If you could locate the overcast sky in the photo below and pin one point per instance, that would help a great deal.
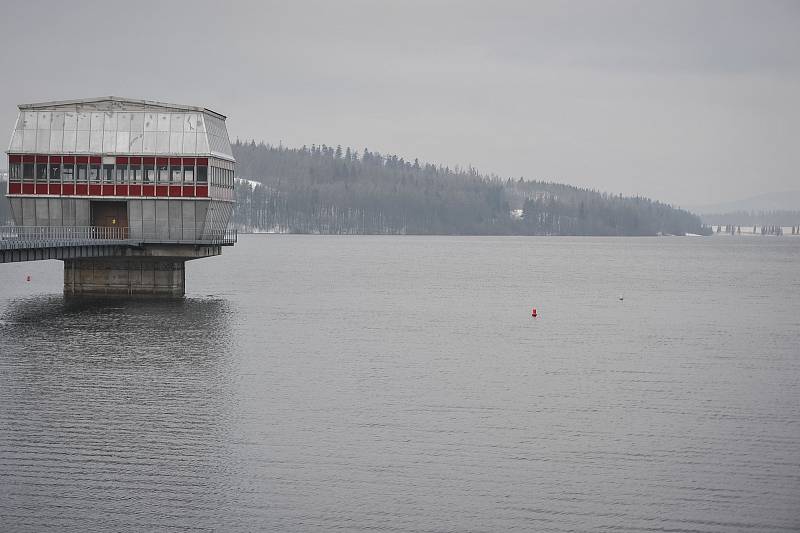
(686, 102)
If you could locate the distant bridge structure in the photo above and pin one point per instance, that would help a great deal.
(123, 191)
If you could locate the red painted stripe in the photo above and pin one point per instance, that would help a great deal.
(162, 190)
(174, 160)
(41, 188)
(202, 191)
(14, 188)
(188, 161)
(122, 160)
(202, 161)
(148, 190)
(14, 158)
(28, 158)
(149, 160)
(162, 160)
(122, 190)
(68, 189)
(55, 159)
(188, 191)
(94, 190)
(54, 188)
(95, 160)
(175, 190)
(136, 160)
(27, 188)
(69, 159)
(41, 159)
(81, 159)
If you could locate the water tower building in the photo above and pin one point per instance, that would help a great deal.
(156, 177)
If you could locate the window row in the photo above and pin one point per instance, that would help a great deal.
(122, 170)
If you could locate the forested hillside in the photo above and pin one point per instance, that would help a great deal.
(322, 189)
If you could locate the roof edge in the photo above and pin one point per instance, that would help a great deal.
(153, 103)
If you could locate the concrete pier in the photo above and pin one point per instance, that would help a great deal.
(144, 271)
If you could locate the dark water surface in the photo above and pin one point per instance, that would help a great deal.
(400, 384)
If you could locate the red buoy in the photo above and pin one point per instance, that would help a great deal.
(534, 314)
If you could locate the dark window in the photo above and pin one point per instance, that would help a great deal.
(55, 173)
(27, 171)
(67, 173)
(94, 173)
(135, 174)
(41, 172)
(163, 173)
(81, 175)
(202, 174)
(175, 174)
(108, 173)
(15, 172)
(149, 174)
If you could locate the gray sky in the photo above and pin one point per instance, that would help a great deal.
(686, 102)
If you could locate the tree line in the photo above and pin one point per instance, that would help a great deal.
(335, 190)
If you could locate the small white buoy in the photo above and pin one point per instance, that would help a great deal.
(621, 298)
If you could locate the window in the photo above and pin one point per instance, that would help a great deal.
(135, 173)
(163, 173)
(149, 174)
(27, 172)
(175, 174)
(41, 172)
(67, 173)
(188, 173)
(81, 173)
(202, 174)
(108, 173)
(122, 173)
(55, 172)
(15, 172)
(94, 173)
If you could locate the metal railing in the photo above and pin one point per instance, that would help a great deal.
(43, 236)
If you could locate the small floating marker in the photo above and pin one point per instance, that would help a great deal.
(28, 278)
(621, 298)
(534, 313)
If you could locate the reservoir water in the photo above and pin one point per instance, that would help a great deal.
(312, 383)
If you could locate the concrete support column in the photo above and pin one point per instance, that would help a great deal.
(144, 276)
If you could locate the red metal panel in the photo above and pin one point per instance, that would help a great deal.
(202, 190)
(41, 159)
(162, 160)
(54, 188)
(68, 189)
(14, 188)
(69, 159)
(41, 188)
(149, 160)
(136, 160)
(134, 190)
(82, 189)
(95, 160)
(148, 190)
(188, 161)
(81, 159)
(162, 190)
(188, 190)
(14, 158)
(27, 188)
(28, 158)
(108, 190)
(95, 190)
(202, 161)
(122, 160)
(122, 190)
(175, 190)
(174, 160)
(55, 159)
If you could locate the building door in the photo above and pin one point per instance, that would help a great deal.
(110, 215)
